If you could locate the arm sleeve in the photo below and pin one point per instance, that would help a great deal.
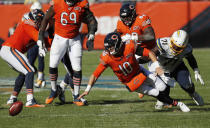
(192, 61)
(100, 69)
(142, 51)
(90, 20)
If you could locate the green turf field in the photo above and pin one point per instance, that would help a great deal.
(108, 107)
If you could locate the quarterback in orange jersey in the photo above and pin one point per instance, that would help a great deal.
(13, 50)
(68, 15)
(135, 27)
(120, 57)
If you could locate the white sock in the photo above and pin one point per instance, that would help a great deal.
(40, 75)
(63, 85)
(76, 90)
(54, 85)
(12, 97)
(29, 97)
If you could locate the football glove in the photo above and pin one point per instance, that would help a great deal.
(198, 76)
(126, 37)
(90, 42)
(42, 48)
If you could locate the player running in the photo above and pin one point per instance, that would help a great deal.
(120, 57)
(13, 50)
(171, 51)
(68, 14)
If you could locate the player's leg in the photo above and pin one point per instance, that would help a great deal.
(182, 76)
(21, 64)
(40, 75)
(75, 54)
(58, 49)
(19, 82)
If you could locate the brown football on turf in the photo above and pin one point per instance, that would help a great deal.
(15, 108)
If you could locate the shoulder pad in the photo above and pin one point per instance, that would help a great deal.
(144, 19)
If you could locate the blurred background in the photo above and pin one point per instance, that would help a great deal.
(166, 16)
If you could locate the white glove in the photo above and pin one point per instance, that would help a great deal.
(134, 37)
(169, 81)
(198, 76)
(42, 48)
(126, 37)
(91, 37)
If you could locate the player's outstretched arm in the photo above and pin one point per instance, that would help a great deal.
(193, 64)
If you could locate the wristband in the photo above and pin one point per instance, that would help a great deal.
(88, 88)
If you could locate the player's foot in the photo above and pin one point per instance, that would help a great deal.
(40, 83)
(197, 99)
(33, 104)
(183, 107)
(140, 95)
(159, 105)
(61, 95)
(78, 102)
(53, 95)
(11, 100)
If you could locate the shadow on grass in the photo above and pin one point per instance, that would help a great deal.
(107, 102)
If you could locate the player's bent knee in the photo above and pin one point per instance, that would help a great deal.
(153, 92)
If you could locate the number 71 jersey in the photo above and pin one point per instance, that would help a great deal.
(68, 19)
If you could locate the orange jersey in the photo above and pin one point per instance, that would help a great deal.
(138, 26)
(24, 37)
(68, 19)
(125, 67)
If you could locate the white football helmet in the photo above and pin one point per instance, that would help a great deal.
(179, 40)
(36, 5)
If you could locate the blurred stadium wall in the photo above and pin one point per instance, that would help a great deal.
(193, 16)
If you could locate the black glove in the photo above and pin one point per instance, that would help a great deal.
(90, 42)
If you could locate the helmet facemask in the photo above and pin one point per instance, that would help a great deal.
(71, 3)
(37, 16)
(128, 14)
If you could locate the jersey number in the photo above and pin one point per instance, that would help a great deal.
(72, 17)
(126, 68)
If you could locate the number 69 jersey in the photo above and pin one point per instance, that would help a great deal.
(167, 59)
(125, 67)
(68, 19)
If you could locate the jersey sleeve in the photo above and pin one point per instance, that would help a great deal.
(119, 27)
(32, 32)
(142, 51)
(144, 21)
(100, 69)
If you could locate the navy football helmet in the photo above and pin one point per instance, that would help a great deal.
(113, 43)
(37, 16)
(128, 14)
(71, 2)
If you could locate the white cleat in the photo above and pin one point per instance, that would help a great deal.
(40, 83)
(183, 107)
(159, 105)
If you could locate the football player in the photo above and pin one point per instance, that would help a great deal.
(136, 27)
(33, 52)
(120, 57)
(171, 51)
(68, 15)
(13, 50)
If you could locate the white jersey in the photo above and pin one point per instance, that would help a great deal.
(167, 60)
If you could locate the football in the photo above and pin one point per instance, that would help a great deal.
(15, 108)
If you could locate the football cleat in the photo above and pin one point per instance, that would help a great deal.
(33, 104)
(11, 100)
(183, 107)
(140, 95)
(53, 95)
(159, 105)
(197, 99)
(61, 95)
(78, 102)
(40, 83)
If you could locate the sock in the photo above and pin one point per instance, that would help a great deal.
(76, 90)
(12, 97)
(29, 94)
(63, 85)
(40, 76)
(53, 78)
